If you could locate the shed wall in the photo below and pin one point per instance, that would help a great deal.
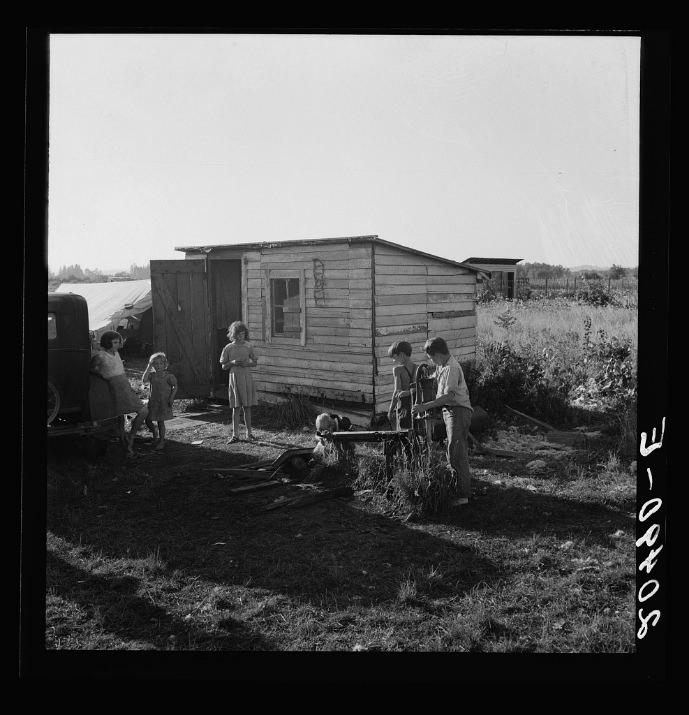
(358, 299)
(335, 361)
(416, 298)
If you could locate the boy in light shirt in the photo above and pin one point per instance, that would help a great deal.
(453, 397)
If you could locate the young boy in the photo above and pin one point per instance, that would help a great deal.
(453, 397)
(403, 375)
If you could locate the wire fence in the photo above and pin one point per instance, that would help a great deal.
(626, 289)
(575, 284)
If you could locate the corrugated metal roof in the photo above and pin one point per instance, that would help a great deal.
(319, 241)
(110, 302)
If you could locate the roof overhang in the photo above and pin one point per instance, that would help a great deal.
(372, 239)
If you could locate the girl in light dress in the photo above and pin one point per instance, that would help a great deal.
(238, 357)
(108, 364)
(163, 389)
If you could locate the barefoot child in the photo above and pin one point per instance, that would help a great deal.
(163, 389)
(238, 357)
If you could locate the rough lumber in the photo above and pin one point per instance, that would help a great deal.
(495, 452)
(255, 487)
(304, 500)
(257, 473)
(538, 423)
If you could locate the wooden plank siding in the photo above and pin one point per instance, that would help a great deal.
(336, 361)
(359, 296)
(418, 297)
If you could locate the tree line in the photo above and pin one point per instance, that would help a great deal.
(75, 274)
(547, 271)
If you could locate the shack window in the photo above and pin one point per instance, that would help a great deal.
(285, 304)
(52, 326)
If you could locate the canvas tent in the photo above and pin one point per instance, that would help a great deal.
(124, 306)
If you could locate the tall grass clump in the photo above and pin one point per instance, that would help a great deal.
(293, 412)
(425, 485)
(422, 485)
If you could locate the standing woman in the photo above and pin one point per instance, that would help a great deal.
(108, 364)
(238, 357)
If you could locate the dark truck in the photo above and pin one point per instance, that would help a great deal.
(69, 378)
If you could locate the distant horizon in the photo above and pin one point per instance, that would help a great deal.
(113, 271)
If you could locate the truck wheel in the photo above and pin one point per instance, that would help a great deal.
(53, 402)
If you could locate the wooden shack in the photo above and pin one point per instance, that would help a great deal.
(502, 274)
(321, 314)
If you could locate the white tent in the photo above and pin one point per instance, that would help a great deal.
(112, 303)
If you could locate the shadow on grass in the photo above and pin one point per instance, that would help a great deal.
(113, 604)
(331, 556)
(326, 554)
(516, 511)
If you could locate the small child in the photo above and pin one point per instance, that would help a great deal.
(163, 389)
(326, 424)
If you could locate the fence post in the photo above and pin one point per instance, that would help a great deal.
(609, 278)
(546, 287)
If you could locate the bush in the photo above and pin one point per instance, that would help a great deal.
(595, 294)
(533, 382)
(613, 370)
(486, 295)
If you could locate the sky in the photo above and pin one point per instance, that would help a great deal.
(462, 145)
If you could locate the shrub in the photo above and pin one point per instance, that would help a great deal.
(487, 295)
(595, 294)
(613, 367)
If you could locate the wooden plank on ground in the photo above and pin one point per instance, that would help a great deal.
(250, 473)
(538, 423)
(304, 500)
(495, 452)
(256, 487)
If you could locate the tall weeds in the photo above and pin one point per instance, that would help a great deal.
(544, 355)
(422, 485)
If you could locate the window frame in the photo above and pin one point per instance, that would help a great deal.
(277, 274)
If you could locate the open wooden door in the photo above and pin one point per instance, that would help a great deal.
(225, 290)
(182, 323)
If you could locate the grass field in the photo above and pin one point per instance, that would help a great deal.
(158, 554)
